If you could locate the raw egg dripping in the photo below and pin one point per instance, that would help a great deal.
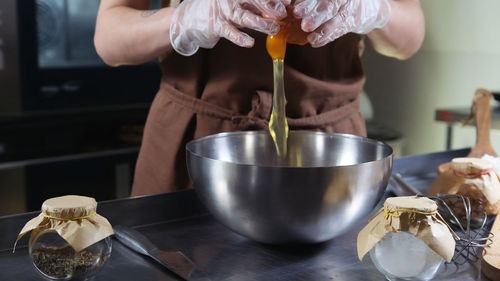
(278, 125)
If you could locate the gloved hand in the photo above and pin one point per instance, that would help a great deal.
(201, 23)
(327, 20)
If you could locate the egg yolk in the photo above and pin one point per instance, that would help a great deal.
(276, 44)
(290, 32)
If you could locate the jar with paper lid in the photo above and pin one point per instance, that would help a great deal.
(69, 240)
(472, 177)
(407, 239)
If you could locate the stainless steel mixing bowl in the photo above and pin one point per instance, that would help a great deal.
(326, 184)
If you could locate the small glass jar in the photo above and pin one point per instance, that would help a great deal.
(407, 239)
(402, 256)
(69, 240)
(54, 258)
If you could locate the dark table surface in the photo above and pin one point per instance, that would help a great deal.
(178, 221)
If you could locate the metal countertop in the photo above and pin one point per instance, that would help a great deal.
(178, 221)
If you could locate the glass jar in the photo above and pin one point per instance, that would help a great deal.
(69, 240)
(407, 239)
(54, 258)
(413, 262)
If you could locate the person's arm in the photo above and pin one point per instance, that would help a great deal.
(127, 33)
(395, 27)
(404, 33)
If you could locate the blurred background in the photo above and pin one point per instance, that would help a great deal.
(71, 125)
(461, 53)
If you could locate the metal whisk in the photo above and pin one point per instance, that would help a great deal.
(467, 218)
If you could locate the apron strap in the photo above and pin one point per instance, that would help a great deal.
(258, 116)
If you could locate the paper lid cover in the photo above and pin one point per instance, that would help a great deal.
(469, 165)
(69, 207)
(420, 204)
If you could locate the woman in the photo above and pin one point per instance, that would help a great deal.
(211, 85)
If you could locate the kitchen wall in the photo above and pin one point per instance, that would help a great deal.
(461, 52)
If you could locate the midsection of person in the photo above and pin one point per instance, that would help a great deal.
(317, 80)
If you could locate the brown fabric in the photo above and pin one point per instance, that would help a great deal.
(229, 88)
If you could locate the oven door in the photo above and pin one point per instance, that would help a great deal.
(60, 68)
(65, 32)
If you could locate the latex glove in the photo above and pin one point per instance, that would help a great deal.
(201, 23)
(327, 20)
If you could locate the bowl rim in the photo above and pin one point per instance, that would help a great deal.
(191, 143)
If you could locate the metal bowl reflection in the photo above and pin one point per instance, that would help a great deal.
(326, 184)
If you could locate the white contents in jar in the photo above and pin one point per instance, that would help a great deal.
(402, 256)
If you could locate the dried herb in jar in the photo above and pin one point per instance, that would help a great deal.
(64, 261)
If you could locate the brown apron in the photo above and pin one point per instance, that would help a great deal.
(229, 88)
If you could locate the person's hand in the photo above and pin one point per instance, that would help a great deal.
(327, 20)
(201, 23)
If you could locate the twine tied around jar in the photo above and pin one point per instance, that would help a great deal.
(394, 212)
(471, 175)
(70, 219)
